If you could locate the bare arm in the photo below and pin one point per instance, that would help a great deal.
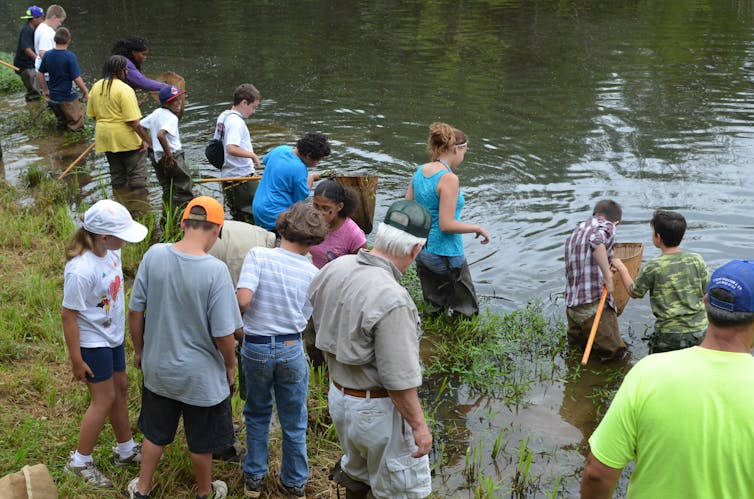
(79, 81)
(30, 52)
(244, 297)
(227, 347)
(625, 277)
(146, 141)
(235, 150)
(71, 332)
(447, 188)
(136, 328)
(599, 481)
(162, 137)
(313, 177)
(410, 191)
(600, 256)
(407, 403)
(238, 335)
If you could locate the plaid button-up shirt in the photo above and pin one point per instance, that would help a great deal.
(583, 275)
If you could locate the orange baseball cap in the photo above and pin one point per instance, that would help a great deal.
(213, 210)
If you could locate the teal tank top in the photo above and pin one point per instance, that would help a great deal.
(425, 193)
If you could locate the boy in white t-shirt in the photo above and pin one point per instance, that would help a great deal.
(167, 157)
(240, 158)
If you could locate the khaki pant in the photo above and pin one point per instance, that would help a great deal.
(377, 446)
(607, 343)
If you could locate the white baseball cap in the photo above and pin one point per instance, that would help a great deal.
(109, 218)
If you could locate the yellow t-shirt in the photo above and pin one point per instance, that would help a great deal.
(113, 110)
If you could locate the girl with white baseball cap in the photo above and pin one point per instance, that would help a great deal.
(93, 317)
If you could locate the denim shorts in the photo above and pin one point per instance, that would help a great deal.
(208, 429)
(104, 361)
(440, 264)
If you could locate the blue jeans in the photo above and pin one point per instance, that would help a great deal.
(282, 368)
(440, 264)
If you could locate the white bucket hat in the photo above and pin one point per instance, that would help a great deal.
(109, 218)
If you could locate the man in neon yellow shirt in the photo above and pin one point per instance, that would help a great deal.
(685, 416)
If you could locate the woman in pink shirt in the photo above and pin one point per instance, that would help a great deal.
(336, 204)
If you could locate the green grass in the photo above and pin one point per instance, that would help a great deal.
(496, 356)
(42, 405)
(10, 82)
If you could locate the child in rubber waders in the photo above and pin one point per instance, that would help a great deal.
(167, 154)
(588, 251)
(676, 280)
(93, 316)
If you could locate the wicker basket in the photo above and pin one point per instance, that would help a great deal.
(366, 189)
(631, 255)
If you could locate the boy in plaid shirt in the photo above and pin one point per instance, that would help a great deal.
(587, 258)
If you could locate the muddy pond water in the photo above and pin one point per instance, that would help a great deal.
(564, 103)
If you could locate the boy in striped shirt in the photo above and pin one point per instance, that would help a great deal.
(273, 295)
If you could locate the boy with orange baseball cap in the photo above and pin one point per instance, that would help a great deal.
(185, 348)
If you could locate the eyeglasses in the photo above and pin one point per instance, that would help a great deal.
(463, 146)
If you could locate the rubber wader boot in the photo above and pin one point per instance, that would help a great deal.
(354, 488)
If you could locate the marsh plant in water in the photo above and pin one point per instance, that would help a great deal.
(496, 355)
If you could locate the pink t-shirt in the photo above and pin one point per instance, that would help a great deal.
(347, 239)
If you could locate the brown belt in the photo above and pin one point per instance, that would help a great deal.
(362, 394)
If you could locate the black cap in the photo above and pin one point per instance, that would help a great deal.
(409, 216)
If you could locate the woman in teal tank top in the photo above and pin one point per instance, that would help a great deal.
(441, 265)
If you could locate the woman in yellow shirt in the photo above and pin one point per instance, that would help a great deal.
(113, 104)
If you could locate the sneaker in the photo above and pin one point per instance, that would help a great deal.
(133, 492)
(219, 491)
(293, 491)
(252, 487)
(133, 457)
(90, 473)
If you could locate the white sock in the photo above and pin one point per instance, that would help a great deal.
(80, 459)
(126, 448)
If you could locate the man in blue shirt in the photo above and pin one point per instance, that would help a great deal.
(286, 181)
(63, 70)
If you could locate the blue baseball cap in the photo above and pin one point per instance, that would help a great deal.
(169, 93)
(736, 277)
(33, 12)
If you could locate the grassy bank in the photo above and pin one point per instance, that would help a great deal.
(495, 356)
(9, 80)
(42, 405)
